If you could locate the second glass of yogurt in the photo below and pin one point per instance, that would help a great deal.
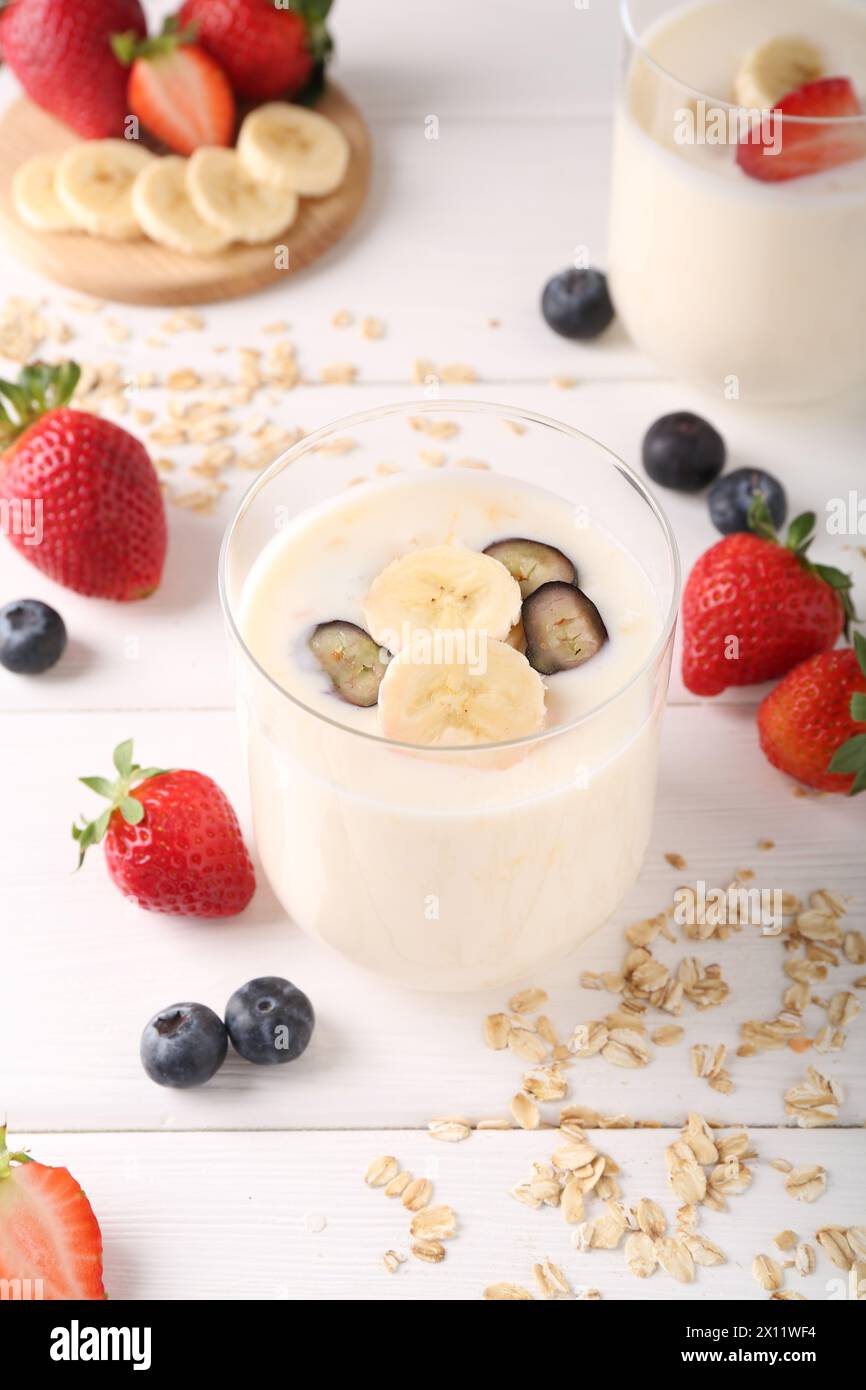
(452, 629)
(738, 214)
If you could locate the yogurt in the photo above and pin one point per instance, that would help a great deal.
(439, 867)
(750, 288)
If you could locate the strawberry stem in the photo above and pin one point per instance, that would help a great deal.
(801, 534)
(118, 794)
(40, 387)
(7, 1158)
(127, 47)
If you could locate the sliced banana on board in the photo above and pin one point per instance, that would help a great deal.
(291, 147)
(34, 194)
(774, 69)
(444, 587)
(490, 696)
(94, 183)
(161, 202)
(225, 194)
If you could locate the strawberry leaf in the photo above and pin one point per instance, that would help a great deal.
(858, 707)
(851, 758)
(860, 649)
(118, 795)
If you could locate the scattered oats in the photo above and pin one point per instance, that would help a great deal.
(782, 1165)
(118, 332)
(434, 1223)
(381, 1170)
(339, 374)
(496, 1122)
(804, 1260)
(432, 1252)
(477, 464)
(544, 1084)
(571, 1201)
(702, 1250)
(687, 1178)
(423, 371)
(860, 982)
(458, 371)
(766, 844)
(143, 417)
(834, 1241)
(574, 1156)
(698, 1136)
(527, 1044)
(417, 1194)
(551, 1282)
(590, 979)
(392, 1260)
(842, 1009)
(525, 1111)
(785, 1240)
(168, 434)
(806, 1184)
(546, 1030)
(608, 1230)
(788, 1295)
(372, 328)
(514, 426)
(564, 383)
(279, 327)
(857, 1281)
(857, 1241)
(626, 1048)
(164, 465)
(183, 379)
(667, 1035)
(435, 428)
(815, 1101)
(527, 1001)
(342, 319)
(766, 1272)
(854, 946)
(506, 1292)
(650, 1218)
(183, 321)
(676, 1259)
(451, 1129)
(676, 861)
(434, 458)
(496, 1030)
(640, 1255)
(397, 1186)
(336, 446)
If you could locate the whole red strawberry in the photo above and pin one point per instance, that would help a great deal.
(97, 518)
(61, 55)
(813, 725)
(50, 1241)
(754, 608)
(172, 840)
(267, 51)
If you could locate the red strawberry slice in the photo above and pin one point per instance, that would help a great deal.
(179, 92)
(50, 1240)
(779, 149)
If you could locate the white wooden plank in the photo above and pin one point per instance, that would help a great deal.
(224, 1216)
(130, 656)
(82, 971)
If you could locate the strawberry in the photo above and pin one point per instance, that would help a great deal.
(50, 1242)
(172, 840)
(781, 149)
(177, 90)
(753, 608)
(267, 51)
(813, 725)
(91, 484)
(61, 55)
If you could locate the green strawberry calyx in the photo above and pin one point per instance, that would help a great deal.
(7, 1158)
(850, 757)
(129, 775)
(127, 47)
(800, 536)
(40, 387)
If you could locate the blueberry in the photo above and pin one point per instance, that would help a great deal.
(730, 498)
(32, 637)
(576, 303)
(269, 1020)
(683, 451)
(183, 1045)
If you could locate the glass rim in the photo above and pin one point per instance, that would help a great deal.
(630, 30)
(416, 407)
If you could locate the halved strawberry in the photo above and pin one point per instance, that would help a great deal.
(781, 149)
(48, 1232)
(179, 92)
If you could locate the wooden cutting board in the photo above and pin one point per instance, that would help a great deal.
(140, 272)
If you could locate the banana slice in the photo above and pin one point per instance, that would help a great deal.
(161, 202)
(487, 696)
(443, 588)
(35, 195)
(94, 183)
(291, 147)
(775, 68)
(226, 195)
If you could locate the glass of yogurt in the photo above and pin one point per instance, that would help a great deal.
(451, 627)
(738, 214)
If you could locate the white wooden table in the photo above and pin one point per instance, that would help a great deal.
(252, 1187)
